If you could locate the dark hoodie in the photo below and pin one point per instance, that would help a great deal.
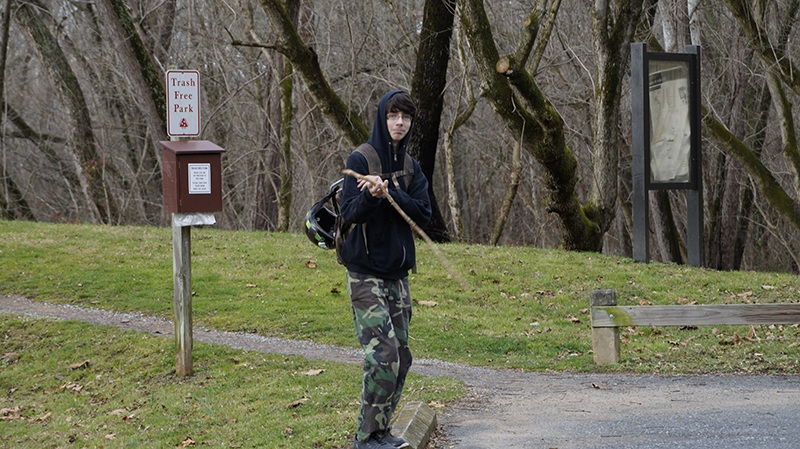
(388, 249)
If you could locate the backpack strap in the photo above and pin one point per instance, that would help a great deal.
(374, 166)
(373, 160)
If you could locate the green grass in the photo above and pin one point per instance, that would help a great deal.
(521, 307)
(71, 384)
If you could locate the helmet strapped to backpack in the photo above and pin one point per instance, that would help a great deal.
(321, 220)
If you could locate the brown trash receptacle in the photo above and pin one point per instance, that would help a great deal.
(192, 176)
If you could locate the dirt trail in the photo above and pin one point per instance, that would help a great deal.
(517, 409)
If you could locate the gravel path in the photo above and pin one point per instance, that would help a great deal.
(517, 409)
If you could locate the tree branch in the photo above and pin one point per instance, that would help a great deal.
(541, 129)
(238, 43)
(306, 64)
(776, 196)
(544, 37)
(773, 56)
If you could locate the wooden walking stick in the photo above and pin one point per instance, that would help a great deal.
(413, 225)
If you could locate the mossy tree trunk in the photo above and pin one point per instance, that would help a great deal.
(306, 64)
(287, 117)
(88, 163)
(137, 64)
(782, 72)
(12, 202)
(529, 116)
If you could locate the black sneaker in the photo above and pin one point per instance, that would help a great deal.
(394, 441)
(372, 443)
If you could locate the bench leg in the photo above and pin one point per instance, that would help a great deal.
(605, 341)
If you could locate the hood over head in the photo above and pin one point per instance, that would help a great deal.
(380, 139)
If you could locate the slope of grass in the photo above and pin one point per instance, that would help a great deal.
(520, 307)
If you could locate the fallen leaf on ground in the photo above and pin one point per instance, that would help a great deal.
(296, 403)
(600, 387)
(435, 404)
(8, 414)
(111, 436)
(82, 364)
(573, 318)
(428, 303)
(71, 386)
(187, 442)
(314, 372)
(311, 264)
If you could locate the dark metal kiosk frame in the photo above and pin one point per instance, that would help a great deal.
(665, 106)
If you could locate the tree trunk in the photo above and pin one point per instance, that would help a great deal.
(145, 78)
(268, 179)
(90, 167)
(612, 43)
(287, 116)
(12, 202)
(427, 88)
(452, 191)
(508, 200)
(536, 123)
(664, 230)
(306, 65)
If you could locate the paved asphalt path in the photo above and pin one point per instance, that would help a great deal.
(516, 409)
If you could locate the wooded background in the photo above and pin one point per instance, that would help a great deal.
(523, 128)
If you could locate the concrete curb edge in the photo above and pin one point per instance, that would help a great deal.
(415, 423)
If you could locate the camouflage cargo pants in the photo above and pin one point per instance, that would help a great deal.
(382, 312)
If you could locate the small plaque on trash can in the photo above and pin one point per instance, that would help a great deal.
(199, 179)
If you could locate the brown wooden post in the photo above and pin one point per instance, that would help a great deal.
(182, 279)
(605, 340)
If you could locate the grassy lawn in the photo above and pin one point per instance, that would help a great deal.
(70, 384)
(520, 307)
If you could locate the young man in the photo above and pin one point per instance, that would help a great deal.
(379, 252)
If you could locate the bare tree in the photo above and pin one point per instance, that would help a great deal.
(527, 113)
(12, 204)
(88, 165)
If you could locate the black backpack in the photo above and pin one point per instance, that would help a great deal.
(341, 227)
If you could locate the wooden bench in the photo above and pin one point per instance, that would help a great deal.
(608, 317)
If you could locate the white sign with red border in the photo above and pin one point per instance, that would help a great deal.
(183, 103)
